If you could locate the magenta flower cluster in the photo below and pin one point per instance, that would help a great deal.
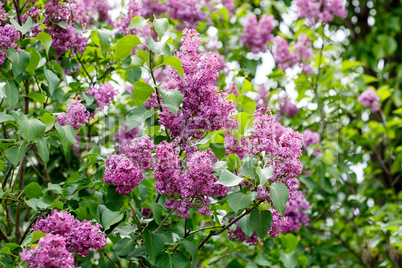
(51, 251)
(321, 10)
(8, 35)
(187, 12)
(125, 170)
(296, 213)
(67, 236)
(3, 15)
(99, 7)
(76, 114)
(65, 38)
(257, 34)
(370, 99)
(189, 188)
(104, 95)
(202, 108)
(311, 137)
(301, 54)
(133, 10)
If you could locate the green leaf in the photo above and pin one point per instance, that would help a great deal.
(33, 63)
(123, 246)
(175, 63)
(39, 97)
(161, 26)
(154, 243)
(52, 80)
(43, 150)
(239, 201)
(24, 28)
(20, 60)
(244, 120)
(347, 64)
(142, 92)
(12, 94)
(137, 23)
(67, 136)
(290, 242)
(261, 222)
(14, 154)
(279, 195)
(229, 179)
(289, 260)
(55, 188)
(110, 217)
(173, 260)
(190, 248)
(265, 174)
(48, 120)
(245, 104)
(137, 116)
(5, 117)
(172, 99)
(125, 46)
(30, 129)
(246, 225)
(135, 61)
(218, 149)
(156, 210)
(33, 190)
(81, 213)
(159, 48)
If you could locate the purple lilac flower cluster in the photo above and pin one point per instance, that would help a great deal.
(283, 146)
(370, 99)
(133, 10)
(51, 251)
(321, 10)
(311, 137)
(197, 183)
(287, 59)
(240, 236)
(104, 95)
(187, 12)
(80, 237)
(287, 107)
(76, 114)
(202, 108)
(296, 213)
(65, 38)
(8, 34)
(257, 34)
(125, 170)
(152, 7)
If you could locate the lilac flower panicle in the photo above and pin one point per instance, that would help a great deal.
(133, 10)
(60, 223)
(50, 252)
(257, 34)
(139, 151)
(76, 114)
(8, 35)
(311, 138)
(320, 10)
(296, 208)
(85, 237)
(240, 236)
(370, 99)
(187, 12)
(202, 108)
(122, 172)
(104, 95)
(100, 7)
(152, 7)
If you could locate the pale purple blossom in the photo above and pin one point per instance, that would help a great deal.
(370, 99)
(50, 251)
(257, 34)
(8, 35)
(85, 237)
(311, 137)
(76, 114)
(188, 12)
(296, 213)
(104, 95)
(321, 10)
(139, 151)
